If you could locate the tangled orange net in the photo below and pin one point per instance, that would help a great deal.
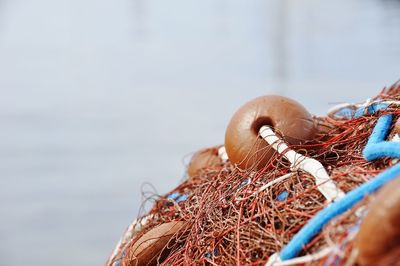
(231, 218)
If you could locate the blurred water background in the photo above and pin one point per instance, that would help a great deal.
(101, 96)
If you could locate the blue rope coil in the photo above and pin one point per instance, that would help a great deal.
(375, 148)
(177, 197)
(370, 109)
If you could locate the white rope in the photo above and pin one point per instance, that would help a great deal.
(274, 259)
(300, 162)
(264, 187)
(389, 102)
(273, 182)
(222, 154)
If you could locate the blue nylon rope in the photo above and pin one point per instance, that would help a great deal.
(375, 148)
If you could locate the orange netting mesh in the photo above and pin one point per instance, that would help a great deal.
(229, 221)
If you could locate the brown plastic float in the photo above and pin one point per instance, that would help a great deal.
(378, 241)
(153, 246)
(287, 117)
(204, 159)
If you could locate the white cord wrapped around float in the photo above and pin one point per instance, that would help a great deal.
(300, 162)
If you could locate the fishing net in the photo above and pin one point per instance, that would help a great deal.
(232, 218)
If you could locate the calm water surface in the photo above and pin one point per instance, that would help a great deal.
(99, 97)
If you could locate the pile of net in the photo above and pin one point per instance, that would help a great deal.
(231, 217)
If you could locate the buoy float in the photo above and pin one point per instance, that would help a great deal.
(153, 246)
(379, 237)
(206, 158)
(288, 118)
